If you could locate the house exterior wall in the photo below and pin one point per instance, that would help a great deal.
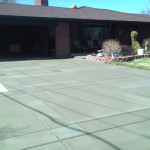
(39, 40)
(43, 42)
(144, 32)
(62, 40)
(114, 30)
(74, 31)
(123, 32)
(73, 34)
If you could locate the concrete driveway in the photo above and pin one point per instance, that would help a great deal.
(73, 104)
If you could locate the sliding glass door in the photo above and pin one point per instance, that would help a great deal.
(94, 33)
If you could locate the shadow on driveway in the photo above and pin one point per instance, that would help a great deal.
(52, 119)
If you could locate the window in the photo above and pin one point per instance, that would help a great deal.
(92, 32)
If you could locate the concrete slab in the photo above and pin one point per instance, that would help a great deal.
(123, 119)
(31, 89)
(94, 125)
(24, 98)
(66, 132)
(133, 84)
(86, 142)
(50, 87)
(41, 110)
(140, 128)
(120, 138)
(71, 83)
(51, 78)
(16, 120)
(73, 104)
(13, 83)
(115, 93)
(138, 92)
(52, 146)
(30, 80)
(101, 100)
(28, 140)
(143, 113)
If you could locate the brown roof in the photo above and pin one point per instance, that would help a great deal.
(82, 13)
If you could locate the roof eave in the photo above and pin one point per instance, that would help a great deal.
(55, 19)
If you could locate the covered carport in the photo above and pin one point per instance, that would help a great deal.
(27, 37)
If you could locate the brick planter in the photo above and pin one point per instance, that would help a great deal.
(108, 59)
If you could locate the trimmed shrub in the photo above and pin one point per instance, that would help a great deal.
(134, 41)
(144, 42)
(111, 45)
(126, 50)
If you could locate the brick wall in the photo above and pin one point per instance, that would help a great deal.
(62, 40)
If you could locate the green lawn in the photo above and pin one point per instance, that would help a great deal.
(143, 63)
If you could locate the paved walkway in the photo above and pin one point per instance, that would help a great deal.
(73, 104)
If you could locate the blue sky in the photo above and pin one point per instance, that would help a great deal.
(131, 6)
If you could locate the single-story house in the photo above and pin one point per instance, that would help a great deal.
(42, 30)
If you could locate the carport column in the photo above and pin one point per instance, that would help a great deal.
(62, 40)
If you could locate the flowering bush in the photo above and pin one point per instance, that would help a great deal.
(111, 45)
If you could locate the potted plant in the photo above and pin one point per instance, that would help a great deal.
(100, 53)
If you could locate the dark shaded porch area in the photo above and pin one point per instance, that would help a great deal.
(87, 37)
(27, 41)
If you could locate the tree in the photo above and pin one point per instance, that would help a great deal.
(8, 1)
(146, 11)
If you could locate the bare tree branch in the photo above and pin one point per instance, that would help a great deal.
(146, 11)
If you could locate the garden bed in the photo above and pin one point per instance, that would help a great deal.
(109, 59)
